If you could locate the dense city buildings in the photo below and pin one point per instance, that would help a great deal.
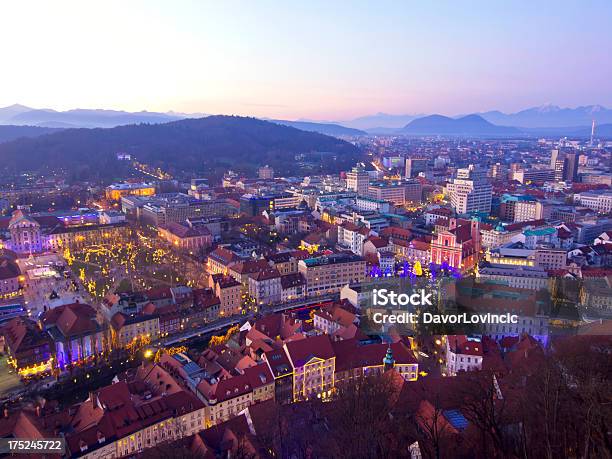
(172, 313)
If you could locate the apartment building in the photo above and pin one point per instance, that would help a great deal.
(470, 191)
(328, 274)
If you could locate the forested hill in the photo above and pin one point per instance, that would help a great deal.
(189, 144)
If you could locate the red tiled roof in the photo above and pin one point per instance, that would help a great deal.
(224, 256)
(459, 344)
(350, 354)
(185, 231)
(250, 266)
(378, 242)
(302, 351)
(292, 280)
(267, 274)
(72, 319)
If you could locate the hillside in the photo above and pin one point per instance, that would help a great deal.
(466, 125)
(322, 128)
(8, 133)
(203, 144)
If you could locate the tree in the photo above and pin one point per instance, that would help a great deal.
(483, 406)
(435, 431)
(361, 421)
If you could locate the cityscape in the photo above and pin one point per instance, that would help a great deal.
(303, 279)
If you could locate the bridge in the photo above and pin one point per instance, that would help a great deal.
(226, 322)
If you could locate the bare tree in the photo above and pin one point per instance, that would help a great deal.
(435, 430)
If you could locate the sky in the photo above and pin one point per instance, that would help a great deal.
(324, 60)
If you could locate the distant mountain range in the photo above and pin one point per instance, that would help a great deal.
(204, 144)
(544, 120)
(546, 116)
(20, 115)
(551, 116)
(470, 125)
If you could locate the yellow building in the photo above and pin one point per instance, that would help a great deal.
(228, 396)
(115, 191)
(314, 365)
(229, 292)
(126, 330)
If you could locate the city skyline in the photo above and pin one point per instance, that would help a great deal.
(336, 63)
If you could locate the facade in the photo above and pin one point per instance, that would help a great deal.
(414, 250)
(285, 262)
(76, 333)
(393, 192)
(26, 235)
(280, 366)
(352, 237)
(76, 237)
(178, 207)
(184, 237)
(459, 246)
(330, 319)
(470, 191)
(462, 354)
(358, 180)
(532, 278)
(599, 201)
(531, 306)
(313, 363)
(265, 173)
(29, 351)
(126, 330)
(413, 191)
(354, 361)
(229, 292)
(224, 387)
(363, 203)
(265, 286)
(220, 260)
(293, 287)
(550, 259)
(328, 274)
(527, 176)
(116, 191)
(10, 274)
(522, 208)
(414, 166)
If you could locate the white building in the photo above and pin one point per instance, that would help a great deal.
(352, 237)
(462, 354)
(599, 201)
(470, 191)
(358, 180)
